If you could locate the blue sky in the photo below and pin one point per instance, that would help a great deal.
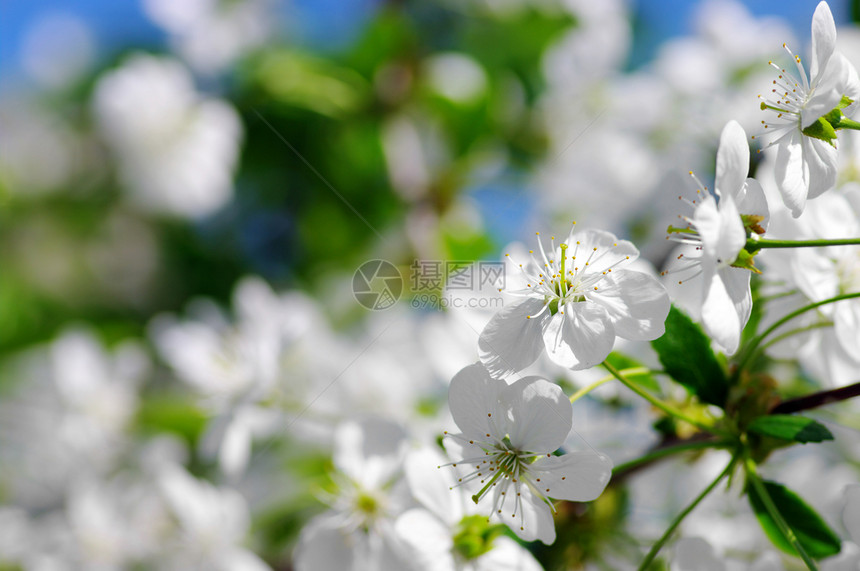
(116, 24)
(121, 23)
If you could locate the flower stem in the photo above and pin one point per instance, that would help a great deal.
(752, 349)
(793, 332)
(655, 549)
(585, 390)
(753, 245)
(787, 532)
(846, 123)
(664, 451)
(671, 411)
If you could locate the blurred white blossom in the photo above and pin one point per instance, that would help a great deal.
(176, 149)
(358, 532)
(212, 34)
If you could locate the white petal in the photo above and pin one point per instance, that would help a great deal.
(732, 234)
(846, 325)
(832, 218)
(241, 560)
(431, 486)
(428, 537)
(851, 513)
(507, 555)
(636, 303)
(695, 554)
(323, 544)
(706, 219)
(579, 476)
(826, 97)
(721, 230)
(511, 342)
(823, 38)
(235, 449)
(385, 549)
(814, 274)
(369, 451)
(792, 172)
(851, 89)
(820, 159)
(530, 518)
(580, 338)
(753, 201)
(609, 252)
(733, 160)
(726, 306)
(472, 396)
(541, 415)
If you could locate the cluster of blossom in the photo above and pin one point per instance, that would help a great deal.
(578, 296)
(274, 375)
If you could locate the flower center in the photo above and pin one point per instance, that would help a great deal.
(474, 536)
(504, 462)
(367, 505)
(788, 94)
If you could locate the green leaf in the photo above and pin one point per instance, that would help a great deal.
(685, 353)
(166, 413)
(305, 81)
(814, 535)
(796, 428)
(644, 380)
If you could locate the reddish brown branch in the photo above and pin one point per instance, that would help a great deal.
(817, 399)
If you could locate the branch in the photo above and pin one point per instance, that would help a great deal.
(817, 399)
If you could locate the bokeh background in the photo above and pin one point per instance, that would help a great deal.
(186, 189)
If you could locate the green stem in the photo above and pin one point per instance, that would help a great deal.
(771, 508)
(668, 451)
(671, 411)
(752, 349)
(585, 390)
(754, 245)
(794, 332)
(846, 123)
(655, 549)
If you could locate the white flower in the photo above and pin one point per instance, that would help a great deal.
(509, 433)
(358, 532)
(696, 554)
(236, 367)
(212, 523)
(801, 276)
(212, 34)
(71, 414)
(177, 150)
(806, 165)
(446, 532)
(716, 236)
(578, 299)
(851, 514)
(849, 558)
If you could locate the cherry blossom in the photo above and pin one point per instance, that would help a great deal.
(578, 299)
(509, 434)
